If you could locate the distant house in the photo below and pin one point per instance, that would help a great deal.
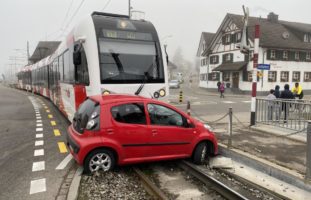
(286, 46)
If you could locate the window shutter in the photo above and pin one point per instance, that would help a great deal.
(223, 39)
(233, 38)
(302, 56)
(291, 55)
(223, 58)
(269, 54)
(279, 54)
(210, 76)
(231, 57)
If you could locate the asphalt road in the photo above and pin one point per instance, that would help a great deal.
(207, 103)
(31, 147)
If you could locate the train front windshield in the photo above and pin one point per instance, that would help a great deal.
(129, 61)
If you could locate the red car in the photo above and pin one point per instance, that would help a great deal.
(124, 129)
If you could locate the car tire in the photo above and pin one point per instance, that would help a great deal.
(200, 154)
(105, 158)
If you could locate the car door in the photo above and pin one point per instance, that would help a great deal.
(169, 134)
(129, 129)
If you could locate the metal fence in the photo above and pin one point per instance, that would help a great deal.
(291, 114)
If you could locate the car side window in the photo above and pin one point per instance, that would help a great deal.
(132, 113)
(161, 115)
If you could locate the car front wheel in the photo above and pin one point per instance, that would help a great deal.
(100, 159)
(200, 153)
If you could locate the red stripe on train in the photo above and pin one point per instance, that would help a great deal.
(80, 94)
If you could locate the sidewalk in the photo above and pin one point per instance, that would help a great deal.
(266, 143)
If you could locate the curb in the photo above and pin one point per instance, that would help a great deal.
(74, 187)
(272, 132)
(271, 169)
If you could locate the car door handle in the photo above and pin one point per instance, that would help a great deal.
(154, 132)
(109, 131)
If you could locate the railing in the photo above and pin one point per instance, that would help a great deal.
(291, 114)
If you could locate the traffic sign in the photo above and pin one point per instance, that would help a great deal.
(263, 66)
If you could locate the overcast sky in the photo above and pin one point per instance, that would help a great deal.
(178, 22)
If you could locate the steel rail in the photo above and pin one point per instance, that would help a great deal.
(218, 186)
(151, 188)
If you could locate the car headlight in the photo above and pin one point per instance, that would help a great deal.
(162, 93)
(208, 127)
(90, 124)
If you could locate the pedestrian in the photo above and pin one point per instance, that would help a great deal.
(297, 91)
(277, 91)
(271, 101)
(277, 104)
(222, 90)
(218, 85)
(287, 95)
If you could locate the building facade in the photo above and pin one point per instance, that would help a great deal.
(286, 46)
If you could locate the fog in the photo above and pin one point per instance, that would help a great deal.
(179, 22)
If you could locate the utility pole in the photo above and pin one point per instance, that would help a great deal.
(28, 56)
(130, 9)
(254, 85)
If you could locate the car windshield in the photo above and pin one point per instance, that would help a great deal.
(123, 61)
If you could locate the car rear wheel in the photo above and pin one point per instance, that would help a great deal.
(100, 159)
(200, 154)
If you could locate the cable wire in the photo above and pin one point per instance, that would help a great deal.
(74, 14)
(67, 13)
(106, 5)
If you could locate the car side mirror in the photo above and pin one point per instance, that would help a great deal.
(189, 124)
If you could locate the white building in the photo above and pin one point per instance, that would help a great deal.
(286, 46)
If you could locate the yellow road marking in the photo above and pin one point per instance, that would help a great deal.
(50, 116)
(56, 132)
(53, 123)
(62, 147)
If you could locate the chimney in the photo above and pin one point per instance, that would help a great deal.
(273, 17)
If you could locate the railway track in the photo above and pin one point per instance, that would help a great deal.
(194, 170)
(218, 186)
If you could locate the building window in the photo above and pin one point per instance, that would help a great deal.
(228, 37)
(284, 76)
(214, 59)
(249, 76)
(226, 76)
(308, 56)
(272, 76)
(305, 38)
(204, 46)
(272, 54)
(228, 57)
(285, 54)
(296, 76)
(307, 77)
(296, 55)
(238, 37)
(214, 76)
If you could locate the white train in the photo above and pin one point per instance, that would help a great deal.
(103, 54)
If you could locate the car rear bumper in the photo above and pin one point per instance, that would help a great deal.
(73, 144)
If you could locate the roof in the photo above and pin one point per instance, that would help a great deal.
(271, 33)
(173, 65)
(236, 66)
(44, 49)
(208, 38)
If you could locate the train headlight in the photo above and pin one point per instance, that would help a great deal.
(106, 92)
(156, 95)
(162, 93)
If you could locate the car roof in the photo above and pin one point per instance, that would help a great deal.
(113, 98)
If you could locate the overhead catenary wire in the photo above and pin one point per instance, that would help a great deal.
(74, 14)
(106, 5)
(67, 13)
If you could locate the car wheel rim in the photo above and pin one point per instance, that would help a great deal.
(203, 154)
(100, 161)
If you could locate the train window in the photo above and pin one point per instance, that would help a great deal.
(61, 67)
(130, 61)
(82, 74)
(68, 68)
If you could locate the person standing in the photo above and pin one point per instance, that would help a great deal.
(222, 90)
(271, 103)
(277, 105)
(286, 94)
(297, 91)
(218, 85)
